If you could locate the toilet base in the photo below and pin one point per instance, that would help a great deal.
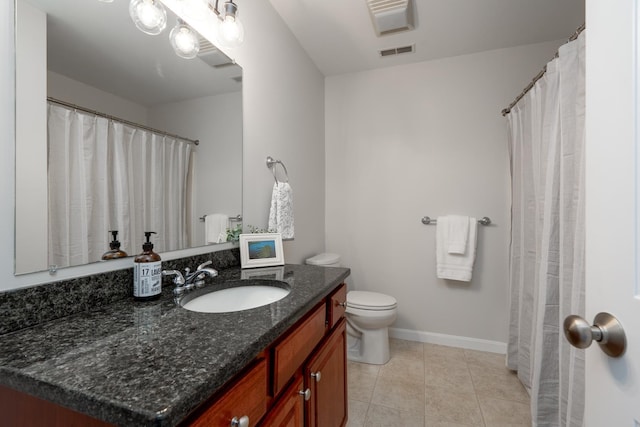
(369, 346)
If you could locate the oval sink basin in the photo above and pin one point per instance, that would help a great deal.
(237, 298)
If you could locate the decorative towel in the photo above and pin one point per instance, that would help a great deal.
(458, 233)
(215, 228)
(281, 213)
(455, 266)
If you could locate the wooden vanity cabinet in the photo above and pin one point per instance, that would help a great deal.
(289, 409)
(280, 388)
(326, 375)
(246, 399)
(320, 382)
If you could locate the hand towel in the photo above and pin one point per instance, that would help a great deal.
(281, 213)
(452, 265)
(215, 226)
(458, 233)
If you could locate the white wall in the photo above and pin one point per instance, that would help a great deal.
(31, 153)
(284, 118)
(283, 104)
(426, 139)
(216, 121)
(75, 92)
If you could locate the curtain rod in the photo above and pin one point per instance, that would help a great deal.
(118, 119)
(540, 74)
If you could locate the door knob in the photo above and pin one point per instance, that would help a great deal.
(606, 331)
(242, 422)
(316, 376)
(306, 393)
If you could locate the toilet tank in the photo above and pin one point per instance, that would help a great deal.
(325, 260)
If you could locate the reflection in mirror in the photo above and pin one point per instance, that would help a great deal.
(114, 131)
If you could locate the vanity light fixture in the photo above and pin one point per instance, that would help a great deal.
(149, 16)
(196, 10)
(184, 40)
(231, 30)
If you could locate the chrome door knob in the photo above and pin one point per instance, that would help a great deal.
(306, 393)
(606, 331)
(317, 376)
(242, 422)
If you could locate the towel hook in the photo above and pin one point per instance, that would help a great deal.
(271, 164)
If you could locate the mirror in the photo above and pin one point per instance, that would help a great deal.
(89, 55)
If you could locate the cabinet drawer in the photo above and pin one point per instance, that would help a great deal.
(337, 305)
(289, 410)
(247, 397)
(293, 350)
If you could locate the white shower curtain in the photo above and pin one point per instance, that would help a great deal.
(547, 243)
(105, 175)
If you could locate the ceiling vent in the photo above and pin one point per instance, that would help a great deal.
(397, 50)
(391, 16)
(211, 55)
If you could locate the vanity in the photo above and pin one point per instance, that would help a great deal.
(158, 364)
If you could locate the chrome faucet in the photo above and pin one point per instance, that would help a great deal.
(190, 280)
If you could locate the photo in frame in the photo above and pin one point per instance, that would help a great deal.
(261, 250)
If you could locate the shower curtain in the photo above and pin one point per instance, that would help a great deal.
(546, 130)
(105, 175)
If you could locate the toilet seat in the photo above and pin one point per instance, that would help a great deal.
(373, 301)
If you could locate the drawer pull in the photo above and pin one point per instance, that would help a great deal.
(317, 376)
(242, 422)
(306, 394)
(341, 304)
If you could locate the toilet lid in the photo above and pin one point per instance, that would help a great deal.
(370, 300)
(324, 259)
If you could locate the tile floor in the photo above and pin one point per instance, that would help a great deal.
(436, 386)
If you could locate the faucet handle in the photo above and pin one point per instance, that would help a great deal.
(203, 265)
(178, 280)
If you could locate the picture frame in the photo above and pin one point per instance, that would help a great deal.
(261, 250)
(264, 273)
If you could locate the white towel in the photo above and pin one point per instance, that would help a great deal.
(458, 233)
(215, 227)
(455, 266)
(281, 213)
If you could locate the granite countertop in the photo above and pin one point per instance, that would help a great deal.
(151, 363)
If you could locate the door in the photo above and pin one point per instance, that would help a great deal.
(613, 206)
(325, 374)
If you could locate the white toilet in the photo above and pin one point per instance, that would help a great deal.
(369, 314)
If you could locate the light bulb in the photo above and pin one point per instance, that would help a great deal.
(184, 41)
(149, 16)
(231, 32)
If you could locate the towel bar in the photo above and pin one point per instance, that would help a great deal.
(236, 218)
(485, 220)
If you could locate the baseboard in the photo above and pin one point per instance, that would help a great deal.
(449, 340)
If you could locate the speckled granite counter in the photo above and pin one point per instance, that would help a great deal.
(152, 363)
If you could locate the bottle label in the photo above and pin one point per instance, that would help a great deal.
(147, 279)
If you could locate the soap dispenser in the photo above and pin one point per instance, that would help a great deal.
(147, 272)
(115, 251)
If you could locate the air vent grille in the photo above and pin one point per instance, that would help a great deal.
(391, 16)
(397, 50)
(211, 55)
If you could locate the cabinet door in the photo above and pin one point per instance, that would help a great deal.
(337, 305)
(289, 410)
(247, 399)
(325, 375)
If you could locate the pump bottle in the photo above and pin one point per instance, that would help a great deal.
(147, 272)
(115, 251)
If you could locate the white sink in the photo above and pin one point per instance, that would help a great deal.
(236, 298)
